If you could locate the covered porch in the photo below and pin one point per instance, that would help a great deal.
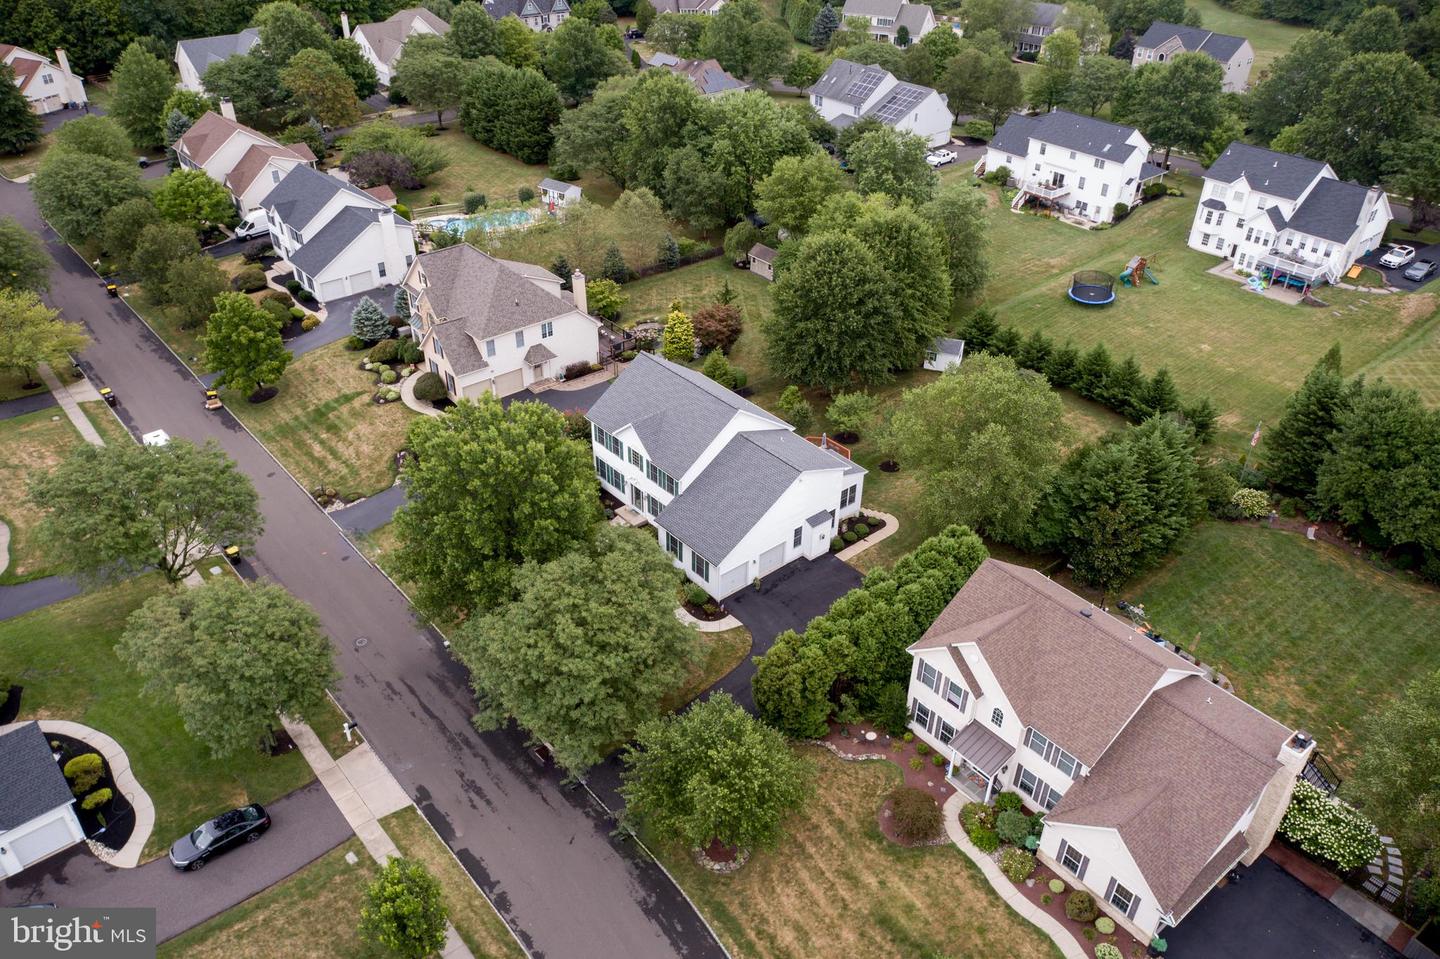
(978, 760)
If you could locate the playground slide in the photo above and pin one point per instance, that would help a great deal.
(1151, 276)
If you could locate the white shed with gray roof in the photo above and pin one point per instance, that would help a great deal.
(37, 810)
(734, 492)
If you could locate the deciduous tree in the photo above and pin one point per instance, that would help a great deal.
(1376, 30)
(1296, 82)
(320, 90)
(511, 110)
(1394, 780)
(1097, 82)
(890, 161)
(252, 82)
(1177, 104)
(243, 342)
(796, 189)
(285, 30)
(74, 191)
(490, 489)
(518, 46)
(97, 136)
(142, 83)
(112, 510)
(156, 250)
(1049, 85)
(958, 215)
(192, 199)
(473, 33)
(230, 657)
(32, 333)
(587, 649)
(430, 80)
(349, 57)
(24, 264)
(578, 58)
(20, 126)
(404, 907)
(191, 288)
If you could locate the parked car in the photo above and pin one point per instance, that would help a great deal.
(633, 34)
(1419, 271)
(225, 831)
(1398, 256)
(938, 158)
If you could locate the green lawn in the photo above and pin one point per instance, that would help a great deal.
(64, 657)
(478, 169)
(1269, 38)
(35, 442)
(1248, 353)
(12, 386)
(1311, 634)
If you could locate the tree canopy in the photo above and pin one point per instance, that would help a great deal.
(890, 161)
(20, 126)
(74, 191)
(404, 907)
(24, 263)
(96, 135)
(512, 110)
(320, 89)
(192, 199)
(142, 84)
(243, 342)
(32, 333)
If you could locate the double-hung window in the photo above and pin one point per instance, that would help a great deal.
(1072, 859)
(997, 717)
(797, 535)
(923, 716)
(1036, 742)
(547, 330)
(636, 460)
(662, 479)
(611, 443)
(956, 695)
(699, 566)
(944, 732)
(1122, 899)
(674, 546)
(847, 496)
(929, 676)
(519, 337)
(652, 505)
(489, 347)
(1026, 781)
(1099, 164)
(609, 474)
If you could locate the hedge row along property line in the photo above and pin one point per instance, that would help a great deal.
(857, 650)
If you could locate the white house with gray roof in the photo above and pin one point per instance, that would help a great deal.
(1154, 781)
(734, 492)
(488, 325)
(886, 17)
(849, 91)
(542, 16)
(381, 42)
(339, 239)
(37, 809)
(1043, 17)
(1286, 216)
(1164, 40)
(1073, 163)
(193, 57)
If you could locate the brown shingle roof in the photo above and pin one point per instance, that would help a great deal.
(1206, 879)
(253, 161)
(209, 134)
(966, 672)
(1075, 677)
(483, 295)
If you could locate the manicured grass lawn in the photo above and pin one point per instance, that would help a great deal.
(324, 427)
(64, 657)
(12, 386)
(14, 166)
(313, 914)
(1248, 353)
(471, 915)
(1270, 38)
(106, 423)
(478, 169)
(719, 653)
(1307, 632)
(836, 887)
(33, 443)
(1413, 362)
(329, 724)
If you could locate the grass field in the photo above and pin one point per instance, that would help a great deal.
(324, 427)
(1269, 38)
(719, 653)
(12, 386)
(106, 423)
(35, 442)
(1307, 632)
(836, 887)
(1248, 353)
(478, 169)
(64, 657)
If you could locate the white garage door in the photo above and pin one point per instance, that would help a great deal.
(772, 559)
(360, 282)
(507, 383)
(332, 289)
(734, 579)
(41, 842)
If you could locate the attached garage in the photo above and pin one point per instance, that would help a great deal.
(772, 559)
(507, 383)
(331, 290)
(360, 282)
(734, 579)
(37, 814)
(45, 839)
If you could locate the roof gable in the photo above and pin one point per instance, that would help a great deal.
(303, 192)
(1219, 46)
(1331, 210)
(1285, 175)
(850, 82)
(1072, 131)
(486, 296)
(204, 52)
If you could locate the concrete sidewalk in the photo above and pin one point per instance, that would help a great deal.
(68, 397)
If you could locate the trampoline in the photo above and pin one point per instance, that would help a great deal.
(1092, 288)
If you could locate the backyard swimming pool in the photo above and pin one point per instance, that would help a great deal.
(489, 222)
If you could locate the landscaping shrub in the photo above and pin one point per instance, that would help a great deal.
(851, 412)
(249, 280)
(793, 406)
(717, 326)
(849, 536)
(409, 351)
(389, 376)
(922, 749)
(937, 760)
(1057, 886)
(354, 343)
(1251, 503)
(577, 427)
(1081, 906)
(278, 296)
(293, 285)
(1016, 864)
(695, 595)
(1046, 899)
(84, 771)
(915, 814)
(719, 369)
(297, 314)
(998, 176)
(401, 210)
(916, 763)
(891, 711)
(1329, 828)
(1122, 210)
(256, 251)
(385, 351)
(1089, 933)
(1105, 925)
(978, 129)
(277, 311)
(1012, 826)
(985, 840)
(861, 530)
(96, 799)
(577, 370)
(525, 194)
(1107, 950)
(430, 387)
(472, 202)
(1008, 802)
(977, 815)
(374, 167)
(836, 544)
(627, 356)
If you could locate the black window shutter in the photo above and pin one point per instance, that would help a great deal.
(1018, 770)
(1084, 864)
(1110, 889)
(1060, 853)
(918, 661)
(1134, 905)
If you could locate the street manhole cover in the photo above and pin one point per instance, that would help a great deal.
(361, 642)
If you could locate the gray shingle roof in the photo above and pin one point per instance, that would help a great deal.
(1046, 14)
(1277, 174)
(819, 519)
(946, 344)
(1220, 46)
(460, 350)
(677, 412)
(500, 9)
(485, 295)
(539, 353)
(557, 186)
(1331, 210)
(303, 192)
(203, 52)
(870, 8)
(1072, 131)
(31, 783)
(316, 253)
(912, 17)
(1277, 219)
(849, 82)
(1210, 203)
(763, 253)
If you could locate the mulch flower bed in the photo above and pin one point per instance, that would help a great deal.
(928, 777)
(889, 466)
(1055, 908)
(708, 613)
(110, 824)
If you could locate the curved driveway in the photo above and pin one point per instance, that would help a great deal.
(545, 855)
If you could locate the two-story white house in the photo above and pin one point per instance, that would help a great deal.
(37, 809)
(542, 16)
(848, 92)
(1164, 40)
(381, 42)
(733, 491)
(1073, 163)
(496, 326)
(886, 17)
(1154, 781)
(1286, 217)
(247, 162)
(47, 85)
(1043, 17)
(339, 239)
(193, 57)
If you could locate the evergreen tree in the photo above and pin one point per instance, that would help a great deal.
(368, 321)
(614, 267)
(401, 304)
(175, 126)
(979, 330)
(1093, 373)
(20, 126)
(1063, 366)
(561, 268)
(1035, 351)
(1201, 416)
(1161, 396)
(1125, 390)
(669, 253)
(678, 339)
(827, 21)
(142, 84)
(1304, 437)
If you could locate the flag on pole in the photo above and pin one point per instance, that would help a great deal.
(1255, 437)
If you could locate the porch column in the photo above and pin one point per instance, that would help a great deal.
(989, 789)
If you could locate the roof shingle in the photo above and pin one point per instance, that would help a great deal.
(31, 783)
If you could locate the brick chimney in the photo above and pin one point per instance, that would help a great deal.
(227, 109)
(345, 24)
(62, 60)
(577, 287)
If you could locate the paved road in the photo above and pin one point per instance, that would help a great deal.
(544, 854)
(307, 824)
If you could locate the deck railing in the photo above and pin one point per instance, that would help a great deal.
(826, 443)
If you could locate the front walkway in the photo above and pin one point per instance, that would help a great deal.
(69, 396)
(407, 396)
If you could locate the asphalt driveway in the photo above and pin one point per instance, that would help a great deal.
(1269, 914)
(307, 824)
(1393, 277)
(562, 400)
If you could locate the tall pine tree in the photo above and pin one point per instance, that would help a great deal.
(368, 321)
(1303, 438)
(827, 21)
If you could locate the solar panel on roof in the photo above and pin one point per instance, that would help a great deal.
(865, 85)
(898, 104)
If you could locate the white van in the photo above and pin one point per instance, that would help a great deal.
(256, 224)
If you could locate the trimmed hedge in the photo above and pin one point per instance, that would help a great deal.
(430, 387)
(84, 771)
(1081, 906)
(1328, 828)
